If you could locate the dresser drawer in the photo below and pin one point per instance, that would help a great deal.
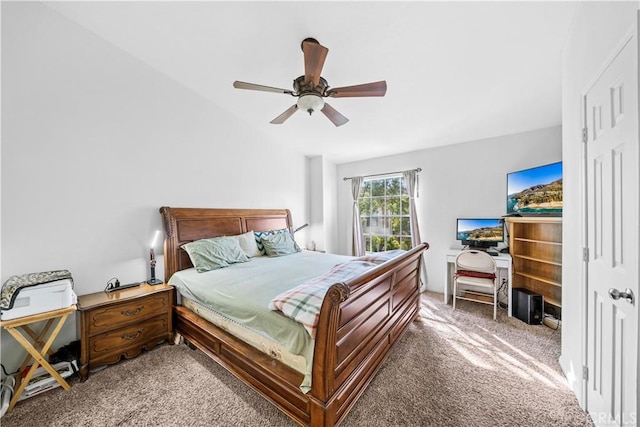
(128, 313)
(133, 336)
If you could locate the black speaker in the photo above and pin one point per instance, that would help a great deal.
(527, 306)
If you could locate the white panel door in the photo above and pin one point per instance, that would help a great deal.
(611, 110)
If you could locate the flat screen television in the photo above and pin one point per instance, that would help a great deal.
(535, 191)
(480, 233)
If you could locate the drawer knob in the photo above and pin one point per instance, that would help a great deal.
(132, 313)
(132, 337)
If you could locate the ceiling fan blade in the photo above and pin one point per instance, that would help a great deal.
(333, 115)
(366, 89)
(284, 116)
(252, 86)
(314, 56)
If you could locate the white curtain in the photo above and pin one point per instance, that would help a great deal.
(411, 180)
(358, 238)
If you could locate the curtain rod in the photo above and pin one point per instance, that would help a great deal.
(418, 170)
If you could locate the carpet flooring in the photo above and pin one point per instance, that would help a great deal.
(449, 369)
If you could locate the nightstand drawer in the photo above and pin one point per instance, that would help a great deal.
(130, 336)
(132, 312)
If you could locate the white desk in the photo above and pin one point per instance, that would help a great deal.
(503, 262)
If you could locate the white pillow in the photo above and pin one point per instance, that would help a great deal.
(248, 244)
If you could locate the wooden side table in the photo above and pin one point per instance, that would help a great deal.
(39, 349)
(123, 323)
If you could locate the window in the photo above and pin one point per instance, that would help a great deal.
(384, 212)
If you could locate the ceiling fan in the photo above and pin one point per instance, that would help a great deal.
(311, 88)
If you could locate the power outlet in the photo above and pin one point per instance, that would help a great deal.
(112, 284)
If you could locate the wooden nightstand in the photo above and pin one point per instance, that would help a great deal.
(123, 323)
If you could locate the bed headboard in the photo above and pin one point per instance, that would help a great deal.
(184, 225)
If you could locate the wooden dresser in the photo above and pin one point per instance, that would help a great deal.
(123, 323)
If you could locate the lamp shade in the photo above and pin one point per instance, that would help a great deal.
(154, 241)
(310, 103)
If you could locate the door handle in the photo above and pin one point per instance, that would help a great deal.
(627, 294)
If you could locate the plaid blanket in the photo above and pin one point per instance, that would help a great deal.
(303, 302)
(380, 257)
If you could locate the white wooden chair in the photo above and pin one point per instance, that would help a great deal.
(477, 269)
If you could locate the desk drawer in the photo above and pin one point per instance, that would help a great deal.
(133, 336)
(132, 312)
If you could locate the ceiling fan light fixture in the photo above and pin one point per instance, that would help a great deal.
(311, 88)
(310, 102)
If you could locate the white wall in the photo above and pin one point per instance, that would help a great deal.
(462, 180)
(94, 142)
(330, 206)
(323, 209)
(598, 27)
(316, 238)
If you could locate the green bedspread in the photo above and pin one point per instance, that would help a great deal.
(242, 292)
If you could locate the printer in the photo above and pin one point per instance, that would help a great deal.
(36, 293)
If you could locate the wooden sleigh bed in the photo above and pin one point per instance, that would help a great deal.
(359, 322)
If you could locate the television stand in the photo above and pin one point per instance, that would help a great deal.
(536, 247)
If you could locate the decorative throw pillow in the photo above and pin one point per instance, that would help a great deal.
(248, 244)
(214, 253)
(260, 234)
(279, 244)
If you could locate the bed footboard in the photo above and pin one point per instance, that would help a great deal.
(360, 320)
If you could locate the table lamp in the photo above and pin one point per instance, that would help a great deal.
(152, 262)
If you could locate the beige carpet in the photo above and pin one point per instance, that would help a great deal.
(451, 369)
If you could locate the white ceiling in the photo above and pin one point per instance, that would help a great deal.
(455, 71)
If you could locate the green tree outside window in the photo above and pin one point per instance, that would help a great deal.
(384, 212)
